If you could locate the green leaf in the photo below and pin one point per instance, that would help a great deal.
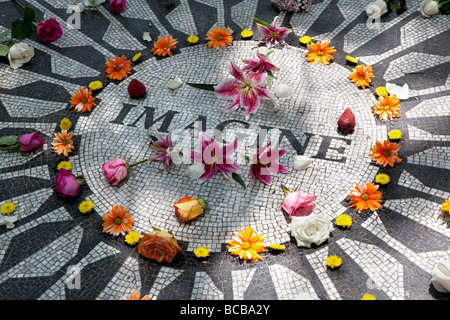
(446, 8)
(239, 180)
(269, 79)
(265, 24)
(4, 50)
(268, 53)
(28, 14)
(394, 7)
(19, 29)
(80, 181)
(155, 229)
(209, 87)
(8, 140)
(15, 148)
(153, 138)
(286, 190)
(4, 34)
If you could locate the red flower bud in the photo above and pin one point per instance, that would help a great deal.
(136, 89)
(347, 120)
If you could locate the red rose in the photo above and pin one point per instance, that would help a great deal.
(117, 5)
(66, 184)
(49, 30)
(136, 89)
(159, 246)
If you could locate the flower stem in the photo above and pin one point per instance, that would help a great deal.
(440, 4)
(22, 6)
(137, 163)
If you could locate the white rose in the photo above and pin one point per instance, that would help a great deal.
(19, 54)
(301, 162)
(401, 93)
(195, 171)
(440, 276)
(8, 221)
(310, 229)
(283, 91)
(174, 83)
(376, 9)
(428, 8)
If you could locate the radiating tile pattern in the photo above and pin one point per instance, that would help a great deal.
(54, 252)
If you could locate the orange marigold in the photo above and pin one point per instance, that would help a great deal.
(361, 76)
(320, 53)
(62, 143)
(219, 37)
(385, 153)
(118, 68)
(117, 221)
(246, 245)
(82, 100)
(387, 107)
(135, 296)
(365, 196)
(164, 45)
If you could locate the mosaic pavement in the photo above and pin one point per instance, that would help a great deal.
(389, 253)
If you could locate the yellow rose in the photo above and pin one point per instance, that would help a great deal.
(188, 208)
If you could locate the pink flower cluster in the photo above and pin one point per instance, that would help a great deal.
(293, 5)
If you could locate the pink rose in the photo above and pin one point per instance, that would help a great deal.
(117, 5)
(49, 30)
(66, 184)
(115, 171)
(30, 141)
(298, 204)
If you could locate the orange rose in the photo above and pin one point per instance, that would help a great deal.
(188, 208)
(158, 245)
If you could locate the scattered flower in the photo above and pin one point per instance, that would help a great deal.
(86, 206)
(382, 178)
(219, 37)
(376, 9)
(118, 68)
(65, 124)
(49, 30)
(132, 237)
(381, 92)
(277, 247)
(8, 208)
(440, 276)
(146, 36)
(271, 36)
(117, 221)
(159, 246)
(8, 221)
(115, 171)
(429, 8)
(192, 39)
(361, 76)
(385, 153)
(136, 57)
(264, 163)
(352, 59)
(446, 206)
(301, 162)
(163, 146)
(401, 93)
(67, 184)
(164, 46)
(333, 261)
(395, 134)
(117, 5)
(320, 53)
(365, 196)
(347, 121)
(174, 83)
(344, 220)
(64, 165)
(246, 34)
(189, 208)
(95, 85)
(62, 143)
(246, 245)
(297, 204)
(368, 296)
(311, 229)
(195, 171)
(387, 108)
(30, 141)
(261, 64)
(135, 296)
(19, 54)
(82, 100)
(136, 89)
(283, 91)
(305, 39)
(201, 252)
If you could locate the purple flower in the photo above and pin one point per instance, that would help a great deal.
(49, 30)
(30, 141)
(164, 148)
(245, 89)
(66, 183)
(273, 35)
(117, 5)
(214, 157)
(266, 163)
(260, 64)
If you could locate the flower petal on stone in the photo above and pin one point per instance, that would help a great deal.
(228, 90)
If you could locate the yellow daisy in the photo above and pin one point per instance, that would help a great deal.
(193, 39)
(201, 252)
(305, 39)
(95, 85)
(344, 220)
(382, 178)
(246, 34)
(64, 165)
(132, 237)
(446, 206)
(395, 134)
(352, 59)
(368, 296)
(65, 124)
(333, 261)
(86, 206)
(136, 57)
(8, 208)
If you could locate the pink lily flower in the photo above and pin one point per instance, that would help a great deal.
(259, 65)
(164, 149)
(245, 89)
(266, 163)
(214, 157)
(273, 35)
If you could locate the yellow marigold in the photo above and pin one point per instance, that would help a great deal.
(381, 92)
(64, 165)
(8, 208)
(344, 220)
(333, 261)
(351, 59)
(305, 39)
(136, 57)
(65, 124)
(277, 247)
(192, 39)
(86, 206)
(201, 252)
(395, 134)
(446, 206)
(132, 237)
(382, 178)
(368, 296)
(95, 85)
(246, 33)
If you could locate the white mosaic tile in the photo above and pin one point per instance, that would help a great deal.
(141, 10)
(408, 180)
(418, 134)
(204, 288)
(436, 157)
(241, 281)
(435, 107)
(181, 18)
(288, 284)
(243, 12)
(165, 277)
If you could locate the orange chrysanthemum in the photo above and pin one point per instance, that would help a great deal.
(119, 68)
(385, 153)
(135, 296)
(62, 143)
(246, 245)
(387, 107)
(361, 76)
(219, 37)
(117, 221)
(365, 196)
(82, 100)
(164, 45)
(320, 53)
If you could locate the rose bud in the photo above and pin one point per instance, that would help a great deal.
(49, 30)
(30, 141)
(66, 183)
(117, 5)
(298, 204)
(115, 171)
(347, 120)
(188, 208)
(136, 89)
(159, 246)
